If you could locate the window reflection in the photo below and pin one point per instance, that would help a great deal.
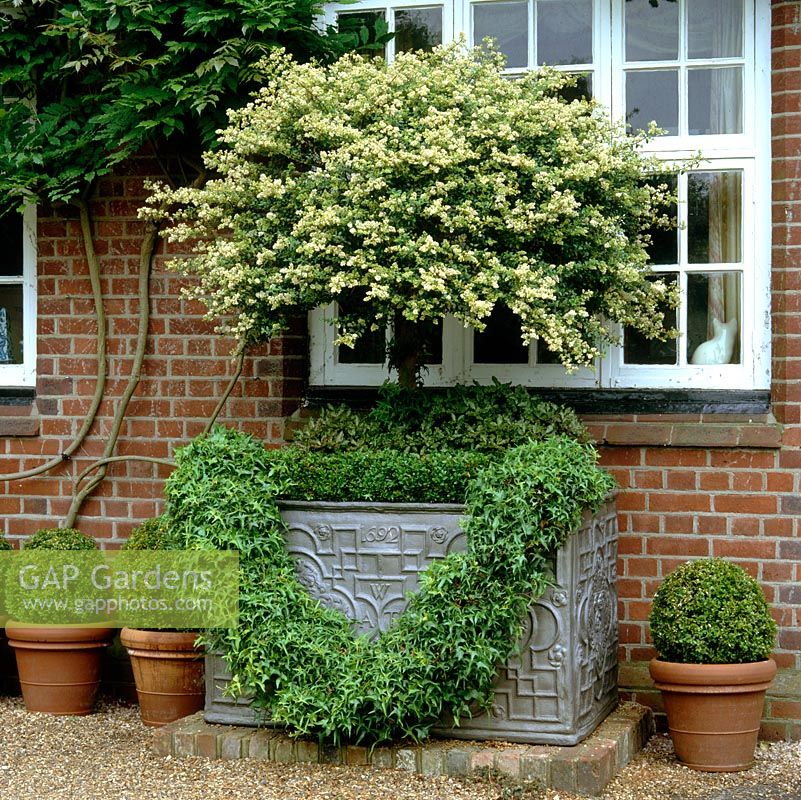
(507, 24)
(652, 30)
(564, 31)
(417, 29)
(714, 223)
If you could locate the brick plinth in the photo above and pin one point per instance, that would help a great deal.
(585, 768)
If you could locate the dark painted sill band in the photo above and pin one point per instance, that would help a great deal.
(601, 402)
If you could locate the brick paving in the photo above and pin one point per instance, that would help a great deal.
(585, 768)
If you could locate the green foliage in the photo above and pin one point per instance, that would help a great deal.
(4, 543)
(108, 77)
(476, 418)
(301, 660)
(389, 476)
(60, 539)
(152, 534)
(429, 186)
(711, 612)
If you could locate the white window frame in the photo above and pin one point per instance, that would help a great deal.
(24, 375)
(748, 151)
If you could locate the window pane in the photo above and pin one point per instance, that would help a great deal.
(714, 28)
(11, 324)
(545, 355)
(368, 26)
(507, 24)
(564, 32)
(639, 350)
(430, 333)
(713, 318)
(500, 342)
(715, 100)
(652, 31)
(11, 244)
(653, 96)
(664, 247)
(582, 89)
(714, 217)
(371, 347)
(418, 29)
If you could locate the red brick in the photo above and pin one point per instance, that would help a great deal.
(744, 548)
(747, 481)
(743, 459)
(714, 480)
(780, 481)
(745, 504)
(676, 457)
(679, 546)
(745, 526)
(641, 567)
(682, 480)
(678, 501)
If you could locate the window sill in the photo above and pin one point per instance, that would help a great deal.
(684, 430)
(19, 416)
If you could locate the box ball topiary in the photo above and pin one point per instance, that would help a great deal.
(60, 539)
(152, 534)
(711, 611)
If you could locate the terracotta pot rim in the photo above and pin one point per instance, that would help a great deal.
(752, 672)
(25, 632)
(143, 639)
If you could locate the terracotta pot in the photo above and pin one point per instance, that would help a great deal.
(168, 670)
(59, 667)
(714, 711)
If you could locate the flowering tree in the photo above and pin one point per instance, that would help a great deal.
(430, 186)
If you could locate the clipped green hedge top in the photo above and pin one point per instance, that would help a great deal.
(711, 612)
(388, 476)
(60, 539)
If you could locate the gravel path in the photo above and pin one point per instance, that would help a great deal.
(106, 757)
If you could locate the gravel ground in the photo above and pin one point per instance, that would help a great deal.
(106, 757)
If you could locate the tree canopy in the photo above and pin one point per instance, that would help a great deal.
(433, 185)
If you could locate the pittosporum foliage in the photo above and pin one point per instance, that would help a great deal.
(433, 185)
(88, 83)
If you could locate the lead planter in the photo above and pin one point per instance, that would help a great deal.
(363, 559)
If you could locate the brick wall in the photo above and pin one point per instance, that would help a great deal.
(186, 370)
(742, 502)
(692, 486)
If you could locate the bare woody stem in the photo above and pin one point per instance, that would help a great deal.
(146, 253)
(240, 361)
(102, 462)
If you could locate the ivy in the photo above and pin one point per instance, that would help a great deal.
(301, 660)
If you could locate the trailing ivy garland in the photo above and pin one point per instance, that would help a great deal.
(301, 660)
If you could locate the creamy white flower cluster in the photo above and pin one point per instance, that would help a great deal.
(429, 186)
